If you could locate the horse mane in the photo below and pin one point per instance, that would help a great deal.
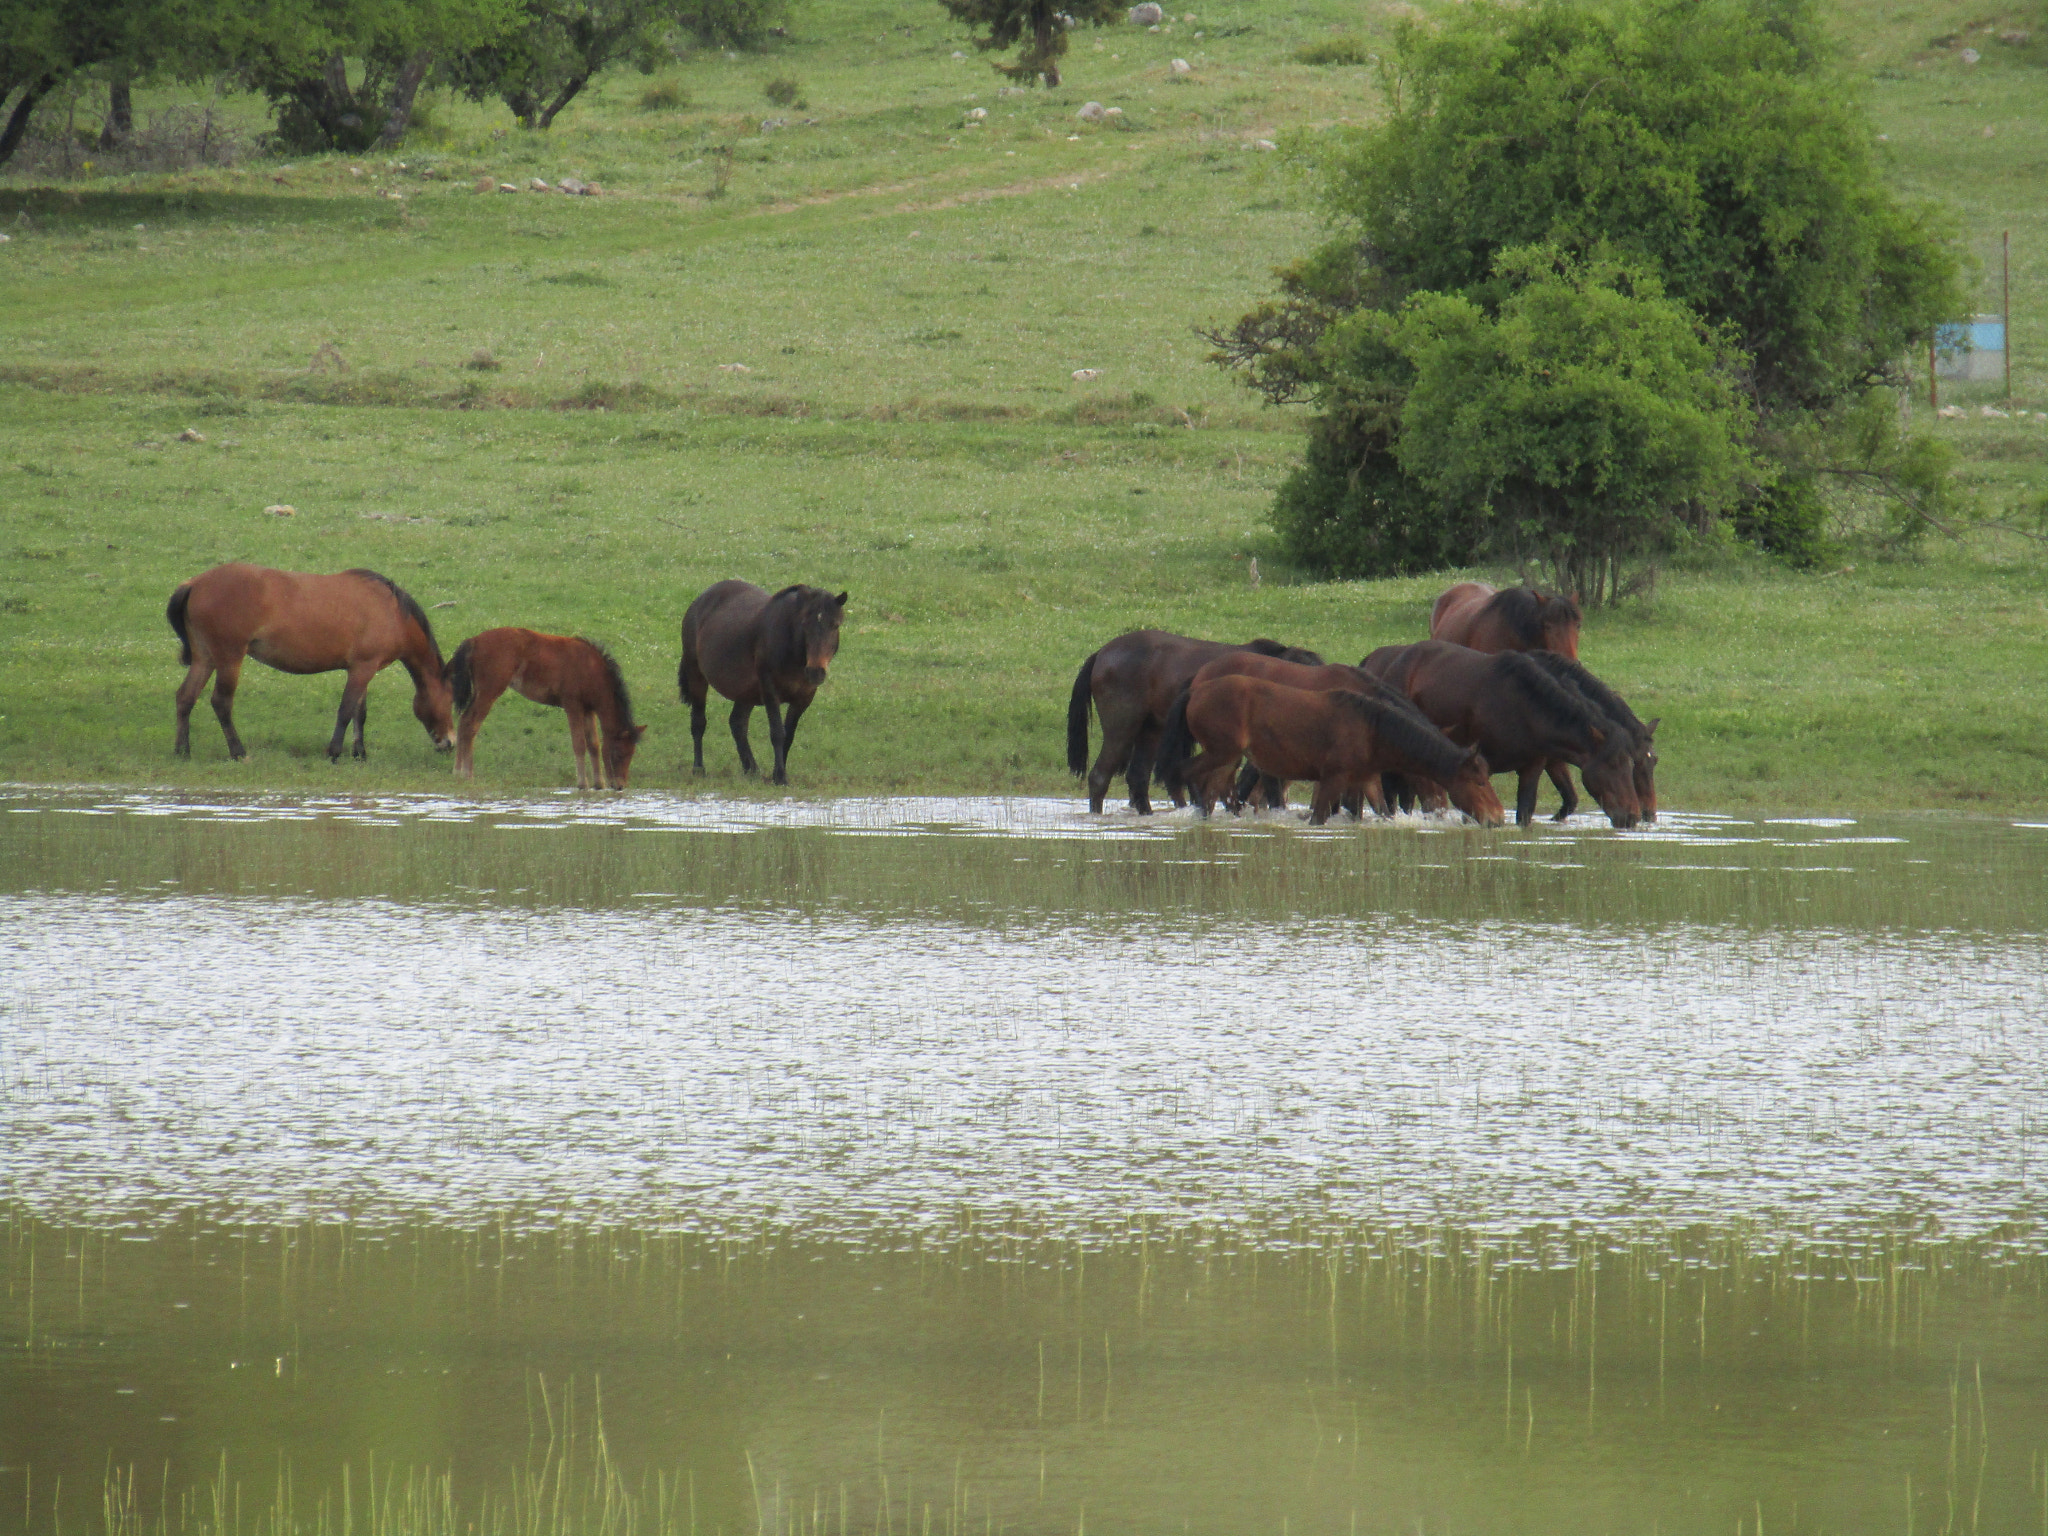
(617, 679)
(1561, 702)
(1293, 653)
(1598, 694)
(1408, 734)
(1523, 610)
(409, 606)
(786, 591)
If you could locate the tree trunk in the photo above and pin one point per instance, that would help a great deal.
(120, 124)
(17, 122)
(563, 97)
(403, 89)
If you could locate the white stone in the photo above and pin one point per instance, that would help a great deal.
(1263, 145)
(1969, 55)
(1146, 15)
(1992, 410)
(279, 509)
(1180, 67)
(976, 114)
(734, 368)
(1087, 375)
(1091, 112)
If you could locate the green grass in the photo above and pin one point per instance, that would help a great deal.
(909, 297)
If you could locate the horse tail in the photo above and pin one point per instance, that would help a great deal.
(1170, 759)
(176, 614)
(460, 681)
(1077, 717)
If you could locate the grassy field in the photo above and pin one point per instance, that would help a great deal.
(521, 406)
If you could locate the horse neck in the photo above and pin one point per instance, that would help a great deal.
(420, 657)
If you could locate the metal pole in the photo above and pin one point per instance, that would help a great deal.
(2006, 279)
(1933, 384)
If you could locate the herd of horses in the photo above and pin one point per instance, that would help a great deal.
(1497, 688)
(753, 646)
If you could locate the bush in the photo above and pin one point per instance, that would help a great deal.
(664, 96)
(785, 91)
(1335, 50)
(1790, 520)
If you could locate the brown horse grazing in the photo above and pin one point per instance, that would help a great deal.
(576, 676)
(356, 621)
(1519, 717)
(1288, 674)
(1341, 739)
(1132, 682)
(1610, 704)
(1473, 614)
(758, 649)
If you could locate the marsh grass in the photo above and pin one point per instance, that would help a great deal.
(1533, 1358)
(909, 301)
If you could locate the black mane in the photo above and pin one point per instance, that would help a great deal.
(1410, 734)
(407, 605)
(1293, 653)
(1597, 693)
(618, 682)
(1523, 608)
(1563, 704)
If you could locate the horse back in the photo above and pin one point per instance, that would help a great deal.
(1451, 616)
(721, 633)
(295, 621)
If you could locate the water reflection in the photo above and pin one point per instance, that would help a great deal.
(919, 1166)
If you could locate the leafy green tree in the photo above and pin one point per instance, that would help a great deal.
(1037, 29)
(558, 46)
(1709, 144)
(45, 42)
(1589, 416)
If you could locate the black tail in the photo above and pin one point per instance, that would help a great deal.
(460, 683)
(176, 614)
(1169, 760)
(683, 676)
(1077, 717)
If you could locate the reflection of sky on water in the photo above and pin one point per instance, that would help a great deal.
(267, 1057)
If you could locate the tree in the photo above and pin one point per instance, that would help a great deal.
(1708, 144)
(44, 42)
(1037, 29)
(559, 45)
(1587, 417)
(298, 53)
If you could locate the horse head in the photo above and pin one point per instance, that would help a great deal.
(619, 745)
(1559, 618)
(1610, 775)
(1646, 769)
(819, 623)
(1472, 791)
(433, 705)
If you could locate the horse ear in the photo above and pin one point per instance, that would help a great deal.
(1651, 728)
(841, 599)
(639, 731)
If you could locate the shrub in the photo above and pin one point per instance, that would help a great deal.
(1335, 50)
(785, 91)
(664, 96)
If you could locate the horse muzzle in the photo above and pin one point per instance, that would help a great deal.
(815, 676)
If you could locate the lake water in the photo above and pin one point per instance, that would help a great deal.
(374, 1166)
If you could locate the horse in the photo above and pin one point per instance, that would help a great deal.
(355, 621)
(1342, 739)
(1610, 704)
(1519, 717)
(576, 676)
(758, 649)
(1473, 614)
(1288, 674)
(1132, 682)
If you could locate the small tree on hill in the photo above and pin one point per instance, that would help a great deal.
(1037, 29)
(1707, 143)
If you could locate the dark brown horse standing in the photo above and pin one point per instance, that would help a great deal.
(1612, 705)
(356, 622)
(1132, 682)
(1519, 717)
(574, 675)
(758, 649)
(1474, 615)
(1342, 739)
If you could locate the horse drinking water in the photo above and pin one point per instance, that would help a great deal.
(355, 621)
(577, 676)
(758, 649)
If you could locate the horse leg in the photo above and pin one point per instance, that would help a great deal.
(362, 718)
(771, 706)
(1144, 753)
(593, 735)
(1115, 756)
(1374, 793)
(465, 731)
(1526, 785)
(188, 695)
(1561, 775)
(1323, 801)
(789, 720)
(1273, 792)
(352, 693)
(739, 737)
(579, 740)
(696, 689)
(224, 682)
